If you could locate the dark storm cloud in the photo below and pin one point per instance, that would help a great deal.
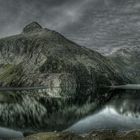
(51, 13)
(92, 23)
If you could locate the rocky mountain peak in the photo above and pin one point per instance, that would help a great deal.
(34, 26)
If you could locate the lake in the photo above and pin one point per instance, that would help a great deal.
(121, 113)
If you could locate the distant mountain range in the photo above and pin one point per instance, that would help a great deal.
(127, 61)
(111, 25)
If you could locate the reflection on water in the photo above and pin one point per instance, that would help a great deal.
(80, 114)
(121, 113)
(8, 134)
(39, 112)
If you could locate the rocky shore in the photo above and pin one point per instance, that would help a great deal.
(95, 135)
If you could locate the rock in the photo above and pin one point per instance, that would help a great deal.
(32, 27)
(95, 135)
(61, 85)
(54, 136)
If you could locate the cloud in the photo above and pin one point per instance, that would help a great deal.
(52, 13)
(92, 23)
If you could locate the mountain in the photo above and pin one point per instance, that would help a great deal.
(127, 62)
(73, 76)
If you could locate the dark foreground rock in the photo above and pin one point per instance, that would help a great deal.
(95, 135)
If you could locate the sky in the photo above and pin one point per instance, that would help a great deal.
(104, 25)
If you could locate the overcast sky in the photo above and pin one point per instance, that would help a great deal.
(91, 23)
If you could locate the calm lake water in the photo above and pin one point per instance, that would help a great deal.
(8, 134)
(121, 113)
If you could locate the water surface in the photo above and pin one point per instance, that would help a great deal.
(121, 113)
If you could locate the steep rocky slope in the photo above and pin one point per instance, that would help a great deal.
(107, 25)
(127, 62)
(30, 57)
(73, 75)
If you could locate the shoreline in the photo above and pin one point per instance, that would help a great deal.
(94, 135)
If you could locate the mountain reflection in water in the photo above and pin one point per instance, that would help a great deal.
(121, 113)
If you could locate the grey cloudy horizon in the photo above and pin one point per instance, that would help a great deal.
(102, 24)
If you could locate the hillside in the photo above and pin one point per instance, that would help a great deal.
(29, 58)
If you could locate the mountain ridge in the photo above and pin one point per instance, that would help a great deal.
(32, 47)
(127, 62)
